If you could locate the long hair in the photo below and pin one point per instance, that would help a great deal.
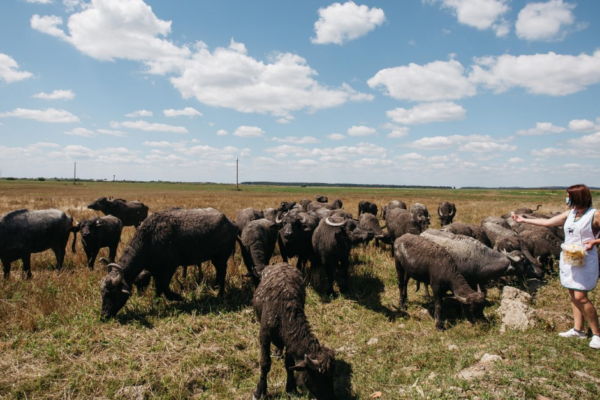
(580, 196)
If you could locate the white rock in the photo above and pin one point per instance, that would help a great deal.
(515, 310)
(453, 347)
(372, 341)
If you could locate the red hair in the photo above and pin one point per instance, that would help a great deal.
(580, 196)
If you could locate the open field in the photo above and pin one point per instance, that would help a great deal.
(53, 345)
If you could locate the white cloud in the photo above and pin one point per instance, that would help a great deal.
(515, 160)
(308, 162)
(486, 147)
(584, 125)
(164, 144)
(188, 112)
(583, 152)
(9, 70)
(39, 1)
(480, 14)
(140, 113)
(109, 29)
(283, 121)
(227, 152)
(398, 132)
(146, 126)
(361, 131)
(550, 74)
(335, 136)
(238, 47)
(48, 115)
(545, 21)
(112, 132)
(339, 23)
(426, 113)
(470, 143)
(438, 80)
(71, 5)
(248, 131)
(541, 128)
(362, 149)
(297, 140)
(222, 132)
(587, 141)
(83, 132)
(56, 95)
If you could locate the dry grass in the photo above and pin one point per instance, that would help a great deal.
(54, 346)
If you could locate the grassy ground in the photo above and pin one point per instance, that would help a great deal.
(53, 345)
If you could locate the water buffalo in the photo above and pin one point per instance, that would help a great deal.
(367, 207)
(97, 233)
(295, 237)
(24, 232)
(446, 212)
(131, 213)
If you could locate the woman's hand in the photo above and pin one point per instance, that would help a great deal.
(518, 218)
(588, 244)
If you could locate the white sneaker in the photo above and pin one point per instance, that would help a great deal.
(574, 333)
(595, 342)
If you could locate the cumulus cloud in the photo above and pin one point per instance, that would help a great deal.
(546, 21)
(149, 127)
(39, 1)
(469, 143)
(361, 131)
(83, 132)
(541, 128)
(587, 141)
(112, 132)
(480, 14)
(56, 95)
(140, 113)
(222, 132)
(438, 80)
(9, 70)
(361, 149)
(339, 23)
(582, 152)
(398, 132)
(164, 144)
(428, 112)
(110, 29)
(297, 140)
(248, 131)
(550, 74)
(227, 152)
(335, 136)
(515, 160)
(48, 115)
(188, 112)
(584, 125)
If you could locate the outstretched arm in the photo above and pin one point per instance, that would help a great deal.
(559, 220)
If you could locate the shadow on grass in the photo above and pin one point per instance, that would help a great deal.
(343, 381)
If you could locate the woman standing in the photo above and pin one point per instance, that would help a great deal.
(582, 226)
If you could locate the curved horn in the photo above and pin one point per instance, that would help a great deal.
(303, 220)
(116, 267)
(440, 211)
(312, 364)
(452, 211)
(278, 219)
(328, 222)
(104, 261)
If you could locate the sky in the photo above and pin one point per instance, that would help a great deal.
(413, 92)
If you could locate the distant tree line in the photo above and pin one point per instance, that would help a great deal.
(320, 184)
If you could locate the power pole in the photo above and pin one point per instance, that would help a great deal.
(74, 172)
(236, 173)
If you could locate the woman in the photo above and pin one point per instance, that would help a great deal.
(582, 226)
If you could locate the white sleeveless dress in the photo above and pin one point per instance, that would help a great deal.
(583, 277)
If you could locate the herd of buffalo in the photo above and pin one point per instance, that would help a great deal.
(461, 258)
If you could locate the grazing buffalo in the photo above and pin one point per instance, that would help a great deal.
(257, 245)
(446, 212)
(247, 215)
(321, 198)
(390, 206)
(23, 232)
(367, 207)
(420, 215)
(131, 213)
(295, 237)
(97, 233)
(166, 240)
(471, 230)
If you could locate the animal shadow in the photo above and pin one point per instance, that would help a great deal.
(366, 289)
(343, 381)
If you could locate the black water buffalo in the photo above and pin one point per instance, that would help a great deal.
(164, 241)
(131, 213)
(23, 232)
(97, 233)
(446, 212)
(257, 244)
(420, 214)
(332, 242)
(321, 198)
(367, 207)
(295, 237)
(390, 206)
(247, 215)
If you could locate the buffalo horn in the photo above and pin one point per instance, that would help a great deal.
(303, 220)
(116, 267)
(312, 364)
(440, 211)
(104, 261)
(334, 223)
(452, 211)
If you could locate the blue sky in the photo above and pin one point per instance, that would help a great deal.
(427, 92)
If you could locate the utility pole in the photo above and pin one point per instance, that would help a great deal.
(236, 173)
(113, 178)
(74, 172)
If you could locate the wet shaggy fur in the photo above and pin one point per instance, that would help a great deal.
(166, 240)
(247, 215)
(367, 207)
(131, 213)
(446, 212)
(428, 262)
(257, 245)
(498, 221)
(295, 237)
(97, 233)
(390, 206)
(337, 204)
(332, 245)
(420, 215)
(304, 203)
(369, 221)
(471, 230)
(24, 232)
(542, 244)
(279, 308)
(400, 222)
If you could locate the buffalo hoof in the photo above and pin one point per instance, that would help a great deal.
(440, 327)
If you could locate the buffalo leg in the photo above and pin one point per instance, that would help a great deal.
(344, 275)
(91, 256)
(221, 267)
(162, 287)
(265, 363)
(282, 251)
(112, 252)
(401, 285)
(437, 296)
(290, 385)
(427, 296)
(27, 266)
(330, 269)
(6, 267)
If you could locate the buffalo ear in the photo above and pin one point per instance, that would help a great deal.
(300, 365)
